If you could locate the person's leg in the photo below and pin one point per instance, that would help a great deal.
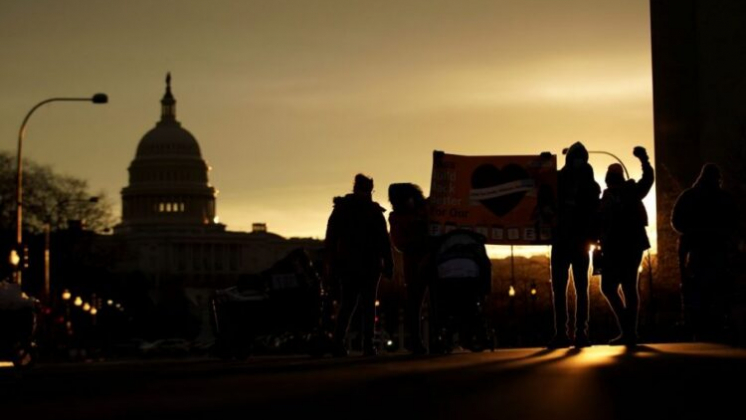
(689, 294)
(349, 295)
(610, 284)
(631, 296)
(415, 297)
(416, 288)
(368, 306)
(720, 289)
(560, 266)
(580, 265)
(699, 295)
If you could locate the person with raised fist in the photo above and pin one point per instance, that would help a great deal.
(623, 219)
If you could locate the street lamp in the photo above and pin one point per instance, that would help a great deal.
(99, 98)
(601, 152)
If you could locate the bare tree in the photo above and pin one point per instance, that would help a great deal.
(51, 198)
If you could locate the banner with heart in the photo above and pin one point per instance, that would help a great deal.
(508, 199)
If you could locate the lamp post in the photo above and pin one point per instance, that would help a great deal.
(99, 98)
(601, 152)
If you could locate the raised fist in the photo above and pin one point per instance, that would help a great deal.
(640, 153)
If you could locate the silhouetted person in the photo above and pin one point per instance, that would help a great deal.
(358, 252)
(409, 235)
(577, 205)
(623, 240)
(460, 277)
(706, 218)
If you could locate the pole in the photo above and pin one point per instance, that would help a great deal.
(47, 245)
(602, 152)
(98, 98)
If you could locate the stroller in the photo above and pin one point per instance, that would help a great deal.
(282, 310)
(18, 317)
(461, 276)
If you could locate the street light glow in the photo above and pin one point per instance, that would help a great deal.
(14, 258)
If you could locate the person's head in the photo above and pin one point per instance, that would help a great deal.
(577, 156)
(614, 175)
(363, 186)
(405, 195)
(709, 176)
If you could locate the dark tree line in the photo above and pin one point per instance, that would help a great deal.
(50, 197)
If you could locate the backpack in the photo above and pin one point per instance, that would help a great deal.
(461, 255)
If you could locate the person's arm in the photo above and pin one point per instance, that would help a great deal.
(648, 175)
(594, 232)
(330, 243)
(396, 225)
(680, 213)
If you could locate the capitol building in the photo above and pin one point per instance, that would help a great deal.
(169, 234)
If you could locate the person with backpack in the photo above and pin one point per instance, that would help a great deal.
(461, 277)
(623, 219)
(358, 252)
(409, 234)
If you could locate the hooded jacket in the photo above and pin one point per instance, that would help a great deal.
(577, 200)
(705, 215)
(623, 216)
(356, 236)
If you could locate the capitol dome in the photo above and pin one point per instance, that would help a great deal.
(168, 182)
(168, 137)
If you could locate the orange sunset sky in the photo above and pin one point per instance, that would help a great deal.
(289, 99)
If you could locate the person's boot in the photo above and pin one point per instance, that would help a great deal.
(559, 342)
(582, 340)
(339, 349)
(629, 329)
(369, 348)
(418, 349)
(618, 340)
(370, 351)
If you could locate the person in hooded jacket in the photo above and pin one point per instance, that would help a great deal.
(706, 218)
(409, 235)
(577, 204)
(623, 219)
(358, 252)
